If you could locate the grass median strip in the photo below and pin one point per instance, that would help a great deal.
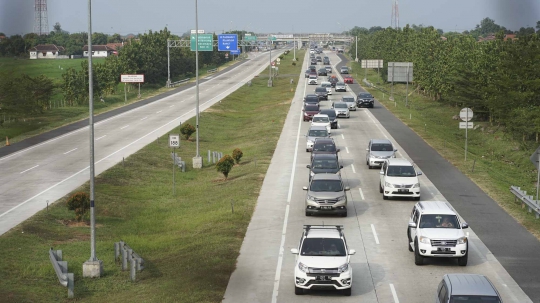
(190, 242)
(494, 161)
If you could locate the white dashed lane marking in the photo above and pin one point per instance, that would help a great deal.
(70, 151)
(29, 169)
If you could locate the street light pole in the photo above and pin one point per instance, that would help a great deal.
(93, 267)
(356, 49)
(197, 160)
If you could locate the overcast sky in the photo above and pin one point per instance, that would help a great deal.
(265, 16)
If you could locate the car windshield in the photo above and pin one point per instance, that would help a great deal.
(324, 147)
(312, 77)
(400, 171)
(340, 83)
(344, 68)
(324, 164)
(381, 147)
(331, 113)
(326, 85)
(320, 90)
(365, 96)
(312, 100)
(332, 247)
(438, 221)
(311, 108)
(326, 186)
(348, 99)
(321, 119)
(474, 299)
(317, 133)
(340, 105)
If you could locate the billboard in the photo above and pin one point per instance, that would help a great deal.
(372, 63)
(397, 71)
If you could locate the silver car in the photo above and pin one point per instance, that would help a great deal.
(326, 195)
(378, 151)
(351, 102)
(341, 109)
(313, 133)
(340, 86)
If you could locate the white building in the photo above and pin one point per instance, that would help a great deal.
(46, 51)
(98, 51)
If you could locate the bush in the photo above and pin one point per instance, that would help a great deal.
(237, 155)
(187, 130)
(224, 165)
(80, 203)
(294, 63)
(281, 57)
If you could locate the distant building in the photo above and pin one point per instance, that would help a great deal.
(510, 37)
(46, 51)
(98, 51)
(115, 46)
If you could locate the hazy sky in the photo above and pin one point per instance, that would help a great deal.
(265, 16)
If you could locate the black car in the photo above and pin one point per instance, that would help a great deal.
(319, 59)
(324, 164)
(311, 98)
(333, 81)
(332, 116)
(365, 100)
(325, 146)
(313, 61)
(322, 72)
(322, 93)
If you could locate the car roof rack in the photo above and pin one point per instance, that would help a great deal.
(339, 228)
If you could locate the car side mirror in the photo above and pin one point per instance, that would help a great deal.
(412, 224)
(352, 252)
(464, 225)
(337, 150)
(308, 166)
(341, 166)
(381, 172)
(347, 188)
(294, 251)
(395, 150)
(419, 173)
(304, 188)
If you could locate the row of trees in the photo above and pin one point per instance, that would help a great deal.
(499, 79)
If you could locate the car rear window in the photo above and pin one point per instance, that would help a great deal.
(348, 99)
(340, 105)
(318, 133)
(324, 164)
(331, 113)
(320, 90)
(329, 147)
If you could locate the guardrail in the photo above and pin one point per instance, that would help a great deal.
(212, 71)
(121, 249)
(173, 84)
(215, 156)
(61, 267)
(526, 200)
(178, 161)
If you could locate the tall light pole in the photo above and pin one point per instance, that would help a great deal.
(356, 48)
(197, 160)
(93, 267)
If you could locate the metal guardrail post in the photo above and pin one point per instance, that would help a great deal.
(61, 269)
(208, 156)
(136, 263)
(526, 200)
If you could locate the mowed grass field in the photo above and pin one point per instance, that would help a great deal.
(189, 241)
(495, 161)
(59, 115)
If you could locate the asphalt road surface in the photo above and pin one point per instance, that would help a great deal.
(383, 268)
(44, 172)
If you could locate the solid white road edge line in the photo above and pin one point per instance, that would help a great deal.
(361, 193)
(70, 151)
(342, 137)
(29, 169)
(394, 294)
(284, 231)
(347, 149)
(353, 170)
(374, 233)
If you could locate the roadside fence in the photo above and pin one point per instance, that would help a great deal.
(526, 200)
(61, 268)
(173, 84)
(178, 161)
(126, 253)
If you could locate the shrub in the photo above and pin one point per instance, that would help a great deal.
(224, 165)
(281, 57)
(237, 155)
(294, 63)
(80, 203)
(187, 130)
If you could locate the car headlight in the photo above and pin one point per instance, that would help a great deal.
(462, 240)
(302, 267)
(343, 268)
(311, 173)
(310, 197)
(306, 114)
(310, 141)
(342, 198)
(386, 184)
(424, 240)
(394, 156)
(416, 185)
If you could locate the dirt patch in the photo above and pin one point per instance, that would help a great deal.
(74, 223)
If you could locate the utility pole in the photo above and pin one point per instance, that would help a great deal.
(356, 49)
(93, 267)
(168, 65)
(197, 160)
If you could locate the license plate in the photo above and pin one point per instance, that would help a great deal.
(326, 207)
(323, 278)
(403, 190)
(443, 248)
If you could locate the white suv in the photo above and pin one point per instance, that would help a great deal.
(321, 120)
(322, 260)
(399, 179)
(435, 230)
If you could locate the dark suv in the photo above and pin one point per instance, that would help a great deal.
(322, 72)
(365, 100)
(311, 98)
(322, 93)
(324, 146)
(332, 116)
(324, 164)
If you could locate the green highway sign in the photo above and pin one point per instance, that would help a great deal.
(271, 38)
(206, 42)
(250, 38)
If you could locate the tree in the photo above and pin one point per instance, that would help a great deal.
(537, 26)
(224, 165)
(99, 38)
(80, 203)
(187, 130)
(237, 155)
(57, 28)
(114, 38)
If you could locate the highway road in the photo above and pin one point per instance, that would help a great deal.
(383, 268)
(47, 171)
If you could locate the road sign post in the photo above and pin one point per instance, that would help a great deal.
(466, 114)
(535, 159)
(174, 142)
